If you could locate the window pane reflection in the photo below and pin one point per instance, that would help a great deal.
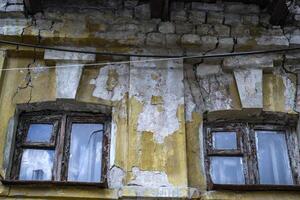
(39, 133)
(224, 140)
(85, 152)
(227, 170)
(273, 160)
(36, 164)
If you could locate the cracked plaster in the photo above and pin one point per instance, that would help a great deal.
(215, 92)
(67, 81)
(160, 79)
(116, 177)
(111, 87)
(249, 83)
(151, 179)
(289, 93)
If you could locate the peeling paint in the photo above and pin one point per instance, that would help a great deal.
(112, 82)
(249, 83)
(215, 92)
(67, 81)
(59, 55)
(116, 177)
(162, 79)
(149, 178)
(289, 94)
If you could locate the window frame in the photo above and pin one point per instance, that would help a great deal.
(246, 132)
(60, 143)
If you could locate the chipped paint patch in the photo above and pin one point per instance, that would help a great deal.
(249, 83)
(116, 177)
(190, 105)
(112, 82)
(215, 92)
(64, 55)
(163, 79)
(289, 94)
(149, 178)
(67, 81)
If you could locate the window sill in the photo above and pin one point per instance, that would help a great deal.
(52, 183)
(255, 187)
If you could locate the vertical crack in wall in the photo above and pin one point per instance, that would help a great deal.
(26, 83)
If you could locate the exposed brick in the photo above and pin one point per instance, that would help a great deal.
(203, 29)
(250, 19)
(142, 11)
(125, 13)
(172, 40)
(208, 42)
(272, 41)
(190, 39)
(14, 8)
(166, 27)
(232, 19)
(240, 30)
(197, 17)
(241, 8)
(226, 44)
(184, 28)
(178, 15)
(221, 30)
(155, 39)
(175, 5)
(207, 69)
(264, 19)
(148, 27)
(207, 6)
(124, 27)
(130, 3)
(215, 18)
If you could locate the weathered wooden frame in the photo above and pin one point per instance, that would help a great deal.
(247, 150)
(60, 143)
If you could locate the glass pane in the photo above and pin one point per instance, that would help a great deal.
(85, 152)
(227, 170)
(39, 133)
(272, 156)
(36, 164)
(224, 140)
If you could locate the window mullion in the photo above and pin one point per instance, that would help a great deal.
(252, 165)
(293, 153)
(57, 170)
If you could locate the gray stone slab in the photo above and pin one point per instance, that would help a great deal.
(249, 84)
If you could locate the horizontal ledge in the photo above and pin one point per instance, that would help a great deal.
(225, 153)
(53, 183)
(260, 187)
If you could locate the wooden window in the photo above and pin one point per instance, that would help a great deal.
(251, 156)
(61, 147)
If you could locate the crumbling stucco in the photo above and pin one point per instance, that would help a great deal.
(163, 79)
(67, 81)
(112, 82)
(215, 91)
(70, 56)
(116, 177)
(289, 93)
(249, 83)
(153, 149)
(149, 178)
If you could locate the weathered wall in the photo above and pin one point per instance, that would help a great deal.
(158, 106)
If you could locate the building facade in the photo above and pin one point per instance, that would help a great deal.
(186, 127)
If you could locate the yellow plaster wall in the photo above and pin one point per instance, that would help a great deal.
(2, 62)
(274, 97)
(43, 89)
(274, 101)
(179, 156)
